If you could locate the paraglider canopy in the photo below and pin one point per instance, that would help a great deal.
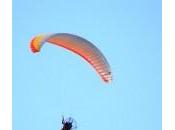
(78, 45)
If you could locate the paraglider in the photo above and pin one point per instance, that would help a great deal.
(68, 124)
(79, 46)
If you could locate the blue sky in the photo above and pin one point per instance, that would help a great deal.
(56, 82)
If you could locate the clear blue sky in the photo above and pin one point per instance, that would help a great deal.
(56, 82)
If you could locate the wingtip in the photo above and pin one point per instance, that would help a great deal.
(33, 48)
